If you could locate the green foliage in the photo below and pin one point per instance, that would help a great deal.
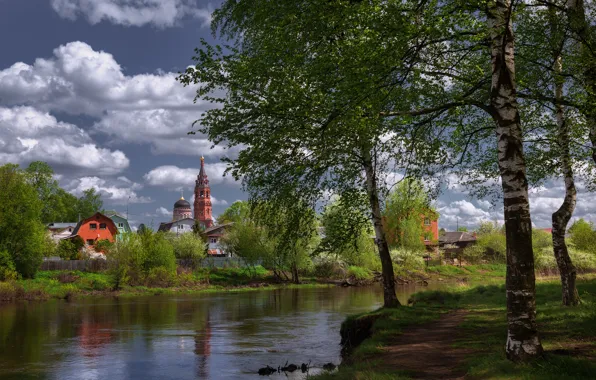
(408, 259)
(188, 246)
(159, 252)
(103, 245)
(69, 249)
(487, 228)
(462, 229)
(583, 236)
(247, 240)
(238, 212)
(348, 235)
(359, 273)
(541, 239)
(22, 234)
(7, 268)
(406, 207)
(160, 276)
(89, 203)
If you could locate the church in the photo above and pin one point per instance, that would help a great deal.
(182, 215)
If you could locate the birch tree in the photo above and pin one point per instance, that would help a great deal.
(329, 95)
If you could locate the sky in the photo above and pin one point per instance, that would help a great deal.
(89, 87)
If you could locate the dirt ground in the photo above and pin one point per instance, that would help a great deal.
(427, 351)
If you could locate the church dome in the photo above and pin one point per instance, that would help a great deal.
(182, 203)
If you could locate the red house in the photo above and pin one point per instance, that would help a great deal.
(95, 228)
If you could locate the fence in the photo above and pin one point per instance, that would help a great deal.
(96, 265)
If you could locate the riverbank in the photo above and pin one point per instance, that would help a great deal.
(475, 342)
(70, 284)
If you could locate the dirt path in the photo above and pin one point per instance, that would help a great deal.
(427, 351)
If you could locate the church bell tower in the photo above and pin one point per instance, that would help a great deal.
(202, 205)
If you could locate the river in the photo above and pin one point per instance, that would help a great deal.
(228, 335)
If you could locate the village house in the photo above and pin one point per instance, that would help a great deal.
(453, 243)
(120, 222)
(95, 228)
(59, 231)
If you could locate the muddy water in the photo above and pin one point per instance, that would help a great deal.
(207, 336)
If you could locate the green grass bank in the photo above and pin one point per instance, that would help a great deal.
(70, 284)
(568, 334)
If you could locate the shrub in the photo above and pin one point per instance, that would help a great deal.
(407, 259)
(7, 268)
(473, 254)
(160, 277)
(103, 245)
(68, 249)
(359, 273)
(188, 246)
(160, 252)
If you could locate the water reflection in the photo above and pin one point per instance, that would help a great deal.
(210, 336)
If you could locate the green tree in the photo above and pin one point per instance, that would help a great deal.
(89, 203)
(248, 241)
(70, 249)
(21, 231)
(41, 176)
(486, 227)
(405, 208)
(320, 92)
(347, 234)
(238, 212)
(583, 236)
(188, 246)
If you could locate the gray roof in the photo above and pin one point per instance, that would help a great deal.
(456, 237)
(215, 228)
(55, 226)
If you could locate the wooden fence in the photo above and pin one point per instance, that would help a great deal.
(96, 265)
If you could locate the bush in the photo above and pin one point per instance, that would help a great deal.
(359, 273)
(160, 277)
(131, 259)
(8, 271)
(473, 254)
(188, 246)
(68, 249)
(407, 259)
(103, 245)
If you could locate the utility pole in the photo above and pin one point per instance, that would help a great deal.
(457, 223)
(127, 207)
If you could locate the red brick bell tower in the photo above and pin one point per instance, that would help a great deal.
(203, 198)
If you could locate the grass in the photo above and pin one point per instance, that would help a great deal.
(567, 334)
(69, 284)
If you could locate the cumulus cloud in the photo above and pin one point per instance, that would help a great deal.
(165, 130)
(119, 191)
(27, 134)
(159, 13)
(162, 211)
(174, 178)
(80, 80)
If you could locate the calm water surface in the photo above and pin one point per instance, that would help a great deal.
(206, 336)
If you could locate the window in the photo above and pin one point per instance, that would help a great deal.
(70, 230)
(181, 226)
(427, 221)
(89, 241)
(213, 240)
(102, 226)
(120, 225)
(92, 226)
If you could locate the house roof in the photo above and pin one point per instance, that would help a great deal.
(456, 237)
(56, 226)
(168, 225)
(79, 224)
(213, 229)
